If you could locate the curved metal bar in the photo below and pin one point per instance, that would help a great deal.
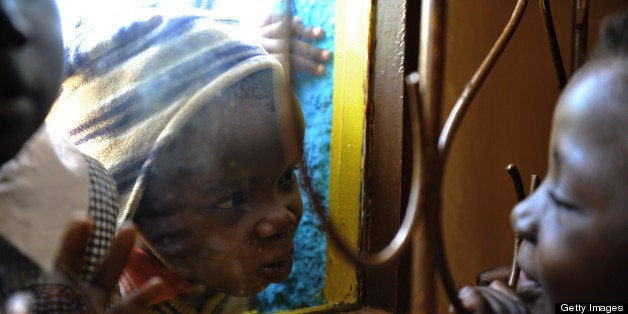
(515, 271)
(553, 42)
(444, 270)
(426, 251)
(515, 176)
(450, 128)
(472, 87)
(403, 235)
(518, 184)
(535, 181)
(579, 35)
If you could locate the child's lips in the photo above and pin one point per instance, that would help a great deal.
(528, 289)
(277, 271)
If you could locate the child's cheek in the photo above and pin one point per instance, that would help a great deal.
(560, 263)
(216, 248)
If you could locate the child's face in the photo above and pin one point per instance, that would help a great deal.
(225, 200)
(31, 63)
(575, 226)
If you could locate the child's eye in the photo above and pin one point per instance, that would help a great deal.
(561, 203)
(231, 201)
(287, 180)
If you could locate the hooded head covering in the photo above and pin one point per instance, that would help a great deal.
(132, 86)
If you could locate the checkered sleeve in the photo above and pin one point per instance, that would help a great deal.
(19, 274)
(103, 209)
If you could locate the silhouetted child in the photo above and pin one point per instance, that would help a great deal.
(575, 225)
(202, 137)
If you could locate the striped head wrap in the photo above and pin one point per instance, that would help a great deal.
(130, 89)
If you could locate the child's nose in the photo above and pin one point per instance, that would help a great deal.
(524, 218)
(275, 222)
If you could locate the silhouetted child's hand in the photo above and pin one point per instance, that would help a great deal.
(303, 55)
(496, 298)
(98, 289)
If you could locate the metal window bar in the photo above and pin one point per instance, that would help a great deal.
(422, 223)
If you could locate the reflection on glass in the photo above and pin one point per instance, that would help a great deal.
(305, 285)
(163, 136)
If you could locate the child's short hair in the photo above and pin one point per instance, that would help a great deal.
(613, 36)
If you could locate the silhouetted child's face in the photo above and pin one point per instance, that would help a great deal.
(224, 201)
(31, 63)
(575, 226)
